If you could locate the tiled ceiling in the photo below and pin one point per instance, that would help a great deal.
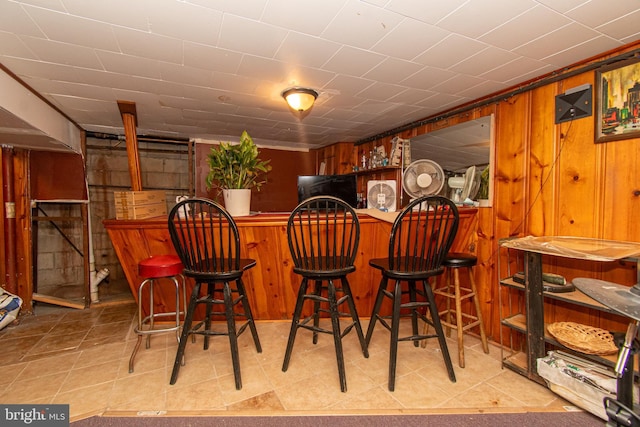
(209, 69)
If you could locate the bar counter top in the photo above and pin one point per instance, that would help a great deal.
(272, 285)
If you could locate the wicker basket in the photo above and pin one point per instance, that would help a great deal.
(583, 338)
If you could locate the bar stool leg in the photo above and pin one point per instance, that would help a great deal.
(180, 287)
(459, 324)
(139, 328)
(483, 335)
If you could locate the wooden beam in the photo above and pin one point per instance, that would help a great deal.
(130, 121)
(59, 301)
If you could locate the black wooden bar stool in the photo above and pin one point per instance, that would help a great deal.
(455, 317)
(323, 234)
(420, 237)
(207, 241)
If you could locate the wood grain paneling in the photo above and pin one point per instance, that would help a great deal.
(272, 285)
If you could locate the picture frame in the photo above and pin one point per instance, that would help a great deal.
(618, 101)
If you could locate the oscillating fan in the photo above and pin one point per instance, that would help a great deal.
(423, 178)
(381, 194)
(471, 183)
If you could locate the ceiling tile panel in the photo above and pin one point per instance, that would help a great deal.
(203, 24)
(428, 11)
(304, 16)
(78, 90)
(530, 25)
(124, 13)
(211, 58)
(562, 6)
(598, 12)
(450, 51)
(197, 68)
(14, 19)
(360, 25)
(73, 30)
(12, 45)
(411, 97)
(303, 49)
(623, 28)
(482, 89)
(147, 45)
(483, 61)
(67, 54)
(381, 91)
(427, 78)
(252, 9)
(248, 36)
(353, 61)
(478, 17)
(557, 41)
(347, 85)
(392, 70)
(409, 39)
(580, 51)
(441, 101)
(128, 65)
(457, 83)
(182, 74)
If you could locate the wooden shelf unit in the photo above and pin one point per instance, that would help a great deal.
(529, 322)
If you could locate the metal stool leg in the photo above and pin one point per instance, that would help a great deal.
(139, 328)
(483, 334)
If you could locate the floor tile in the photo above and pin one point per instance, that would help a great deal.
(81, 357)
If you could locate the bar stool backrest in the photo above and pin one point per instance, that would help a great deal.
(205, 237)
(323, 234)
(422, 234)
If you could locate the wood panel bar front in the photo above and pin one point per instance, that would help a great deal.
(272, 285)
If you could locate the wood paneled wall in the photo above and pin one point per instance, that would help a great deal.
(280, 192)
(553, 179)
(272, 285)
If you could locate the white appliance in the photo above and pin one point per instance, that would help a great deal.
(381, 194)
(423, 178)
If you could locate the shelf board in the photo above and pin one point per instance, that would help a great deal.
(376, 170)
(518, 323)
(575, 297)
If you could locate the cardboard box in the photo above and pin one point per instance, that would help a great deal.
(137, 198)
(142, 211)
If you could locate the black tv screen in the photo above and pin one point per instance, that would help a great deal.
(342, 186)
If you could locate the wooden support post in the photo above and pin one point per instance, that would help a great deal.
(8, 196)
(130, 121)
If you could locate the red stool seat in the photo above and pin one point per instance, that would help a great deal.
(160, 266)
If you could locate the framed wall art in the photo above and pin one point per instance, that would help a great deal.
(618, 101)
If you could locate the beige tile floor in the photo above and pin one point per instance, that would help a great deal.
(80, 358)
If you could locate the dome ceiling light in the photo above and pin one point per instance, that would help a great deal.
(300, 98)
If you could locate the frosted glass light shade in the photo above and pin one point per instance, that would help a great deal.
(300, 99)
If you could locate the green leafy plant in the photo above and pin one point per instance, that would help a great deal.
(236, 166)
(483, 192)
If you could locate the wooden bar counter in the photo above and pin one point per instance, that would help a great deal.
(272, 285)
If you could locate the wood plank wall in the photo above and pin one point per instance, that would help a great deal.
(553, 179)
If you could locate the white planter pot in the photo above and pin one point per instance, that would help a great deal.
(237, 201)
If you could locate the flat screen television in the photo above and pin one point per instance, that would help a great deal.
(342, 186)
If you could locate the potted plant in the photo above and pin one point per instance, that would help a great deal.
(483, 192)
(236, 169)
